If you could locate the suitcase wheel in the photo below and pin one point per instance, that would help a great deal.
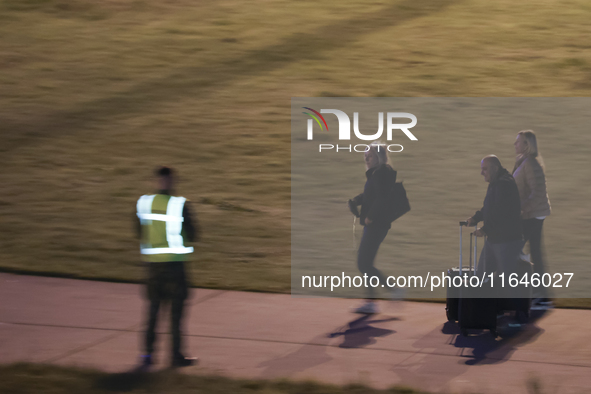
(464, 332)
(494, 333)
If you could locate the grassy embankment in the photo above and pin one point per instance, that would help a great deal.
(94, 95)
(29, 378)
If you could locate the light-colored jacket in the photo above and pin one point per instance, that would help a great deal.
(531, 182)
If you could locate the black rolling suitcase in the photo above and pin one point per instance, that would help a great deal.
(477, 312)
(470, 306)
(453, 295)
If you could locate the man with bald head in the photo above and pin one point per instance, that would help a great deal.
(501, 213)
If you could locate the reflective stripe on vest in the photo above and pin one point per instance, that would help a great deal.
(173, 221)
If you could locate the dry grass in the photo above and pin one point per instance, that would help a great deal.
(30, 378)
(94, 94)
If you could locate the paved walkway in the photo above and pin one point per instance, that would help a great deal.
(253, 335)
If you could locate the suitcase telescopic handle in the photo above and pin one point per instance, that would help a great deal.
(472, 252)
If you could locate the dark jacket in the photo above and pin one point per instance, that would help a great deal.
(501, 210)
(374, 200)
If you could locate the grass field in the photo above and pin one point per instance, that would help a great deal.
(28, 378)
(93, 95)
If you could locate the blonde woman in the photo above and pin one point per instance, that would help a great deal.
(535, 205)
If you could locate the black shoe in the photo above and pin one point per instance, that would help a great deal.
(182, 361)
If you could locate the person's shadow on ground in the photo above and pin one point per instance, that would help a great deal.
(306, 357)
(357, 333)
(429, 367)
(360, 332)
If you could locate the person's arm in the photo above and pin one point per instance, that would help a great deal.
(529, 171)
(476, 218)
(384, 179)
(354, 202)
(498, 205)
(137, 224)
(190, 225)
(353, 208)
(358, 199)
(479, 215)
(504, 206)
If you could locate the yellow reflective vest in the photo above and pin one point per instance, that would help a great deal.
(162, 235)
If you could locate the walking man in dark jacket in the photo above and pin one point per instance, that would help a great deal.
(501, 213)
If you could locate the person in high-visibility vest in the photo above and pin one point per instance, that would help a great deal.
(165, 226)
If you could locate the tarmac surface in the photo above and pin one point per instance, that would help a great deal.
(255, 335)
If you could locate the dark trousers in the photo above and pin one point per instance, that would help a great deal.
(166, 283)
(532, 232)
(373, 235)
(499, 257)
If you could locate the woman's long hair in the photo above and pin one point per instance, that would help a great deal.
(381, 150)
(531, 150)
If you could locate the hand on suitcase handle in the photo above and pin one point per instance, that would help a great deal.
(479, 233)
(468, 222)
